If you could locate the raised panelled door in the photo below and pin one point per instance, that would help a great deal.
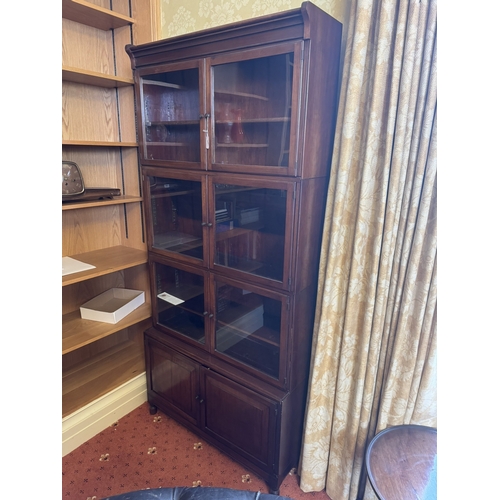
(172, 122)
(248, 421)
(254, 122)
(174, 379)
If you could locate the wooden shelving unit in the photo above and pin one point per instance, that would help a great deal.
(99, 134)
(233, 317)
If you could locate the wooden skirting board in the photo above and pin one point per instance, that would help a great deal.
(87, 422)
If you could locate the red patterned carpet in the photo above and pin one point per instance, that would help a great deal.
(151, 451)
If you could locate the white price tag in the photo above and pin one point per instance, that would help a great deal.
(170, 298)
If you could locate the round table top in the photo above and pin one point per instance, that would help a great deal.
(402, 463)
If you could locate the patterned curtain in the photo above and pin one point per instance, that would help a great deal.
(374, 349)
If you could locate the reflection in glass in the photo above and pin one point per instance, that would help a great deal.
(252, 107)
(248, 328)
(176, 216)
(180, 301)
(171, 111)
(250, 229)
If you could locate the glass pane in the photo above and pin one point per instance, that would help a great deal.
(250, 229)
(248, 328)
(180, 301)
(176, 216)
(171, 114)
(252, 103)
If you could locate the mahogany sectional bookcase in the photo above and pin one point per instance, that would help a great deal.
(236, 128)
(99, 134)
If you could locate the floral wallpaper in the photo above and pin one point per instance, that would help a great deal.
(185, 16)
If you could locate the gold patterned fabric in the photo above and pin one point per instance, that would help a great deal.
(374, 349)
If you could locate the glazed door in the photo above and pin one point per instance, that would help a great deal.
(173, 115)
(253, 101)
(240, 419)
(252, 228)
(251, 325)
(181, 302)
(176, 218)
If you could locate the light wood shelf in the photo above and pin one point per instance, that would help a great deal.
(78, 332)
(86, 77)
(100, 136)
(119, 200)
(100, 374)
(105, 144)
(89, 14)
(106, 261)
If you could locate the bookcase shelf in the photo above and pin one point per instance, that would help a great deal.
(89, 14)
(106, 261)
(99, 144)
(240, 145)
(120, 200)
(87, 77)
(78, 332)
(241, 94)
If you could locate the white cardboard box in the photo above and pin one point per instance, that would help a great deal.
(112, 305)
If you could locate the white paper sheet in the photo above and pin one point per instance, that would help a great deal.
(70, 266)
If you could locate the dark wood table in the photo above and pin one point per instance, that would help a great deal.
(402, 463)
